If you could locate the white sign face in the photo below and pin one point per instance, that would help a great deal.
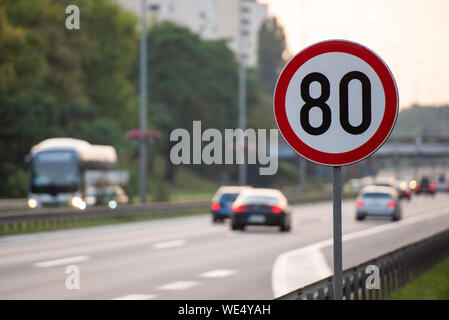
(336, 102)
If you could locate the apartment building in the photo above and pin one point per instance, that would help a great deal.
(237, 21)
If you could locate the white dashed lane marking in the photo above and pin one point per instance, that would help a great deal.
(169, 244)
(179, 285)
(219, 273)
(136, 297)
(60, 262)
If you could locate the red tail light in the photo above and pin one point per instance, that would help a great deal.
(359, 203)
(276, 209)
(239, 208)
(391, 204)
(215, 206)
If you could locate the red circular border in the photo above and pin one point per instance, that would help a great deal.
(386, 125)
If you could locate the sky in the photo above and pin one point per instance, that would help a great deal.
(411, 36)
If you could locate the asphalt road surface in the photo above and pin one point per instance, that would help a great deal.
(191, 258)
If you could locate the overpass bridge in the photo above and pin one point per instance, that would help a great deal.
(397, 153)
(404, 147)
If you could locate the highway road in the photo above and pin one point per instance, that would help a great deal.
(190, 258)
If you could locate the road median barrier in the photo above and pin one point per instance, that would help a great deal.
(34, 220)
(393, 271)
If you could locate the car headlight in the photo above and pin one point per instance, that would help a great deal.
(112, 204)
(78, 203)
(32, 203)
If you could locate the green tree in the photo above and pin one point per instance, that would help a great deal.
(25, 119)
(423, 121)
(87, 66)
(22, 63)
(189, 79)
(271, 53)
(59, 82)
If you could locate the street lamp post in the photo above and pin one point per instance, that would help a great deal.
(242, 97)
(143, 104)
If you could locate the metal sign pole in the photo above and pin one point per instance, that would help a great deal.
(143, 104)
(338, 263)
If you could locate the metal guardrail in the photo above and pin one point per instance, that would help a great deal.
(9, 204)
(19, 220)
(396, 268)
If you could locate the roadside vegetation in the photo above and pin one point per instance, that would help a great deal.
(431, 285)
(84, 84)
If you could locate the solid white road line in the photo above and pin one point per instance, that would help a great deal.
(219, 273)
(179, 285)
(136, 297)
(169, 244)
(59, 262)
(293, 267)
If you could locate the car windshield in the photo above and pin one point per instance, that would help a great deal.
(228, 197)
(266, 200)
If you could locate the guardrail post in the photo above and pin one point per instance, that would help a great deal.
(347, 288)
(320, 294)
(356, 284)
(330, 291)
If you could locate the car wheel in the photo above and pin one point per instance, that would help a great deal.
(284, 227)
(235, 226)
(215, 219)
(360, 218)
(396, 217)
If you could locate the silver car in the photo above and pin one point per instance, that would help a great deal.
(378, 201)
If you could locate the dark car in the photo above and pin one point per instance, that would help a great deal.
(222, 201)
(261, 207)
(426, 186)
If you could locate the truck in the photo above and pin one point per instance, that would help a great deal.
(61, 171)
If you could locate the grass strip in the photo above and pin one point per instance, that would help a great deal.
(430, 285)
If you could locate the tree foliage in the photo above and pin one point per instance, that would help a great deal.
(60, 82)
(192, 79)
(423, 121)
(56, 82)
(271, 52)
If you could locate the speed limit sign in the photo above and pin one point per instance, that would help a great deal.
(336, 102)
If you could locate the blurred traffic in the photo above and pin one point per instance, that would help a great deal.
(89, 116)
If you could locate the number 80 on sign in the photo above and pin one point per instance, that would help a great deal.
(336, 102)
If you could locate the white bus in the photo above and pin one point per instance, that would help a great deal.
(59, 168)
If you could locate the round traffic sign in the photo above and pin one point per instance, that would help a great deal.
(336, 102)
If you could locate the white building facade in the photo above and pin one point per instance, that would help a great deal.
(237, 21)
